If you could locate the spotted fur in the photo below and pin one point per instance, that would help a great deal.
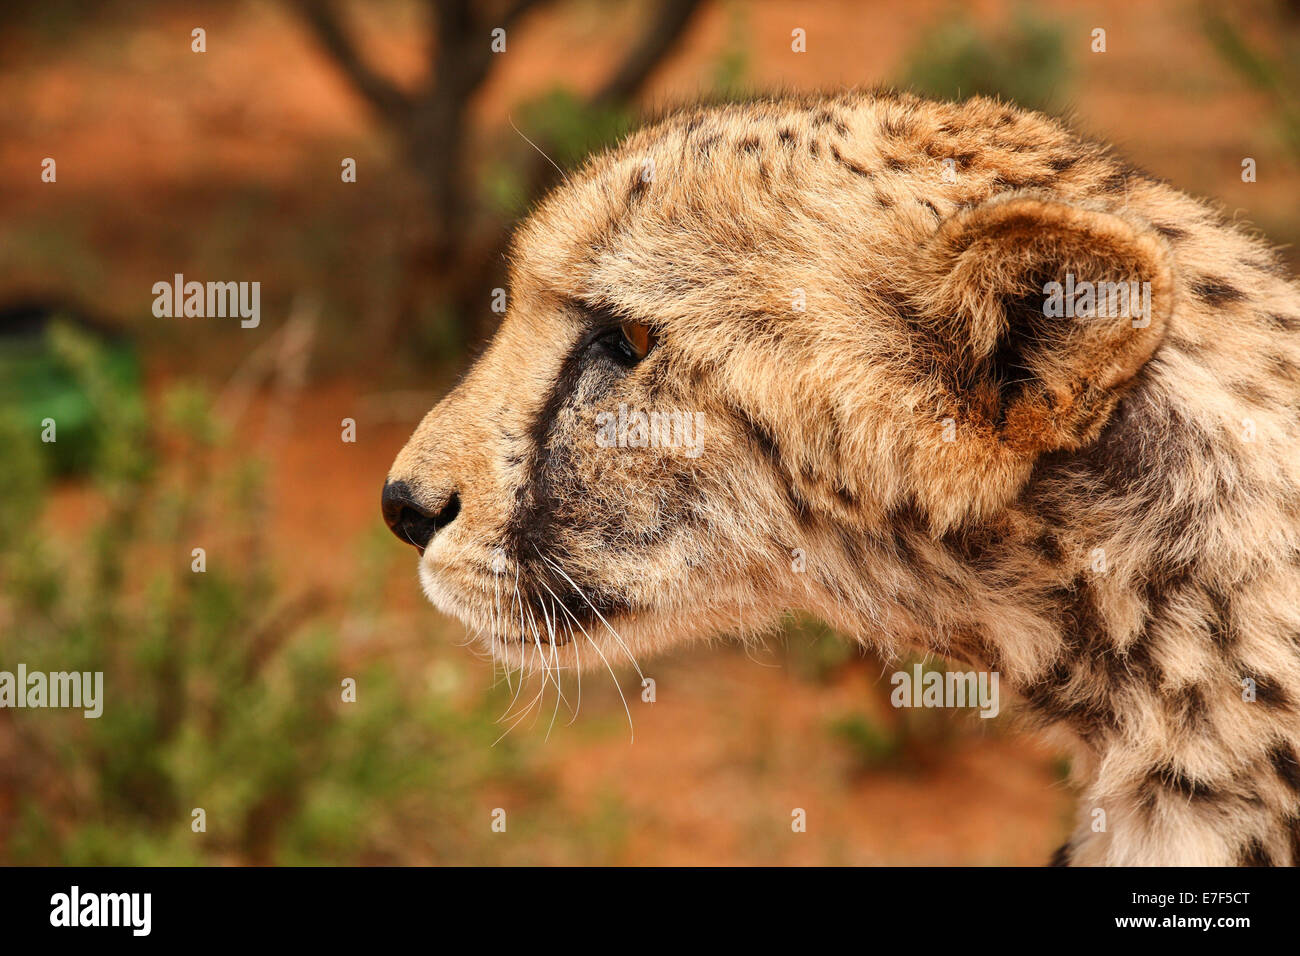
(898, 440)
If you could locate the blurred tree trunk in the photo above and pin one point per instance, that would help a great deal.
(454, 266)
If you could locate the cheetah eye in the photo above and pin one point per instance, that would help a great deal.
(639, 338)
(629, 341)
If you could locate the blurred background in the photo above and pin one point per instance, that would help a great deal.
(222, 688)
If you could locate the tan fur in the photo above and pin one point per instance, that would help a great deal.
(1168, 449)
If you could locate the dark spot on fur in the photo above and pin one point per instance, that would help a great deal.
(1048, 548)
(638, 188)
(762, 438)
(748, 145)
(1270, 692)
(1287, 323)
(1003, 183)
(1062, 855)
(1284, 762)
(976, 547)
(1185, 787)
(826, 118)
(1248, 390)
(901, 535)
(1216, 291)
(1170, 232)
(1062, 163)
(1254, 854)
(1223, 630)
(1185, 344)
(848, 164)
(1080, 688)
(1189, 709)
(705, 145)
(905, 309)
(1081, 624)
(787, 138)
(1283, 367)
(896, 128)
(1057, 699)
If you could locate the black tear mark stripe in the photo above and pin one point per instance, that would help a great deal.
(532, 525)
(535, 498)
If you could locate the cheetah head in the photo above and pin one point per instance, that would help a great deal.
(743, 346)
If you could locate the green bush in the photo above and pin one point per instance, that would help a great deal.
(37, 381)
(1025, 61)
(222, 690)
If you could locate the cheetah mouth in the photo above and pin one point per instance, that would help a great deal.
(511, 604)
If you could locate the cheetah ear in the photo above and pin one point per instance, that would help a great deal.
(1031, 360)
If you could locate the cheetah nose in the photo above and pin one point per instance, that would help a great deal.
(412, 521)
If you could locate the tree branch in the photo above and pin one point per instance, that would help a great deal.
(517, 9)
(323, 20)
(627, 80)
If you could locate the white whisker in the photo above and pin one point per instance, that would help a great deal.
(608, 626)
(596, 648)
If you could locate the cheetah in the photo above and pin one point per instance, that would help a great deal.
(899, 434)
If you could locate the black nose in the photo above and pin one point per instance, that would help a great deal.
(412, 521)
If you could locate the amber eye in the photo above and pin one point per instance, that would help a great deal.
(639, 338)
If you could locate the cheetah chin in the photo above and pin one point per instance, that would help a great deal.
(962, 383)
